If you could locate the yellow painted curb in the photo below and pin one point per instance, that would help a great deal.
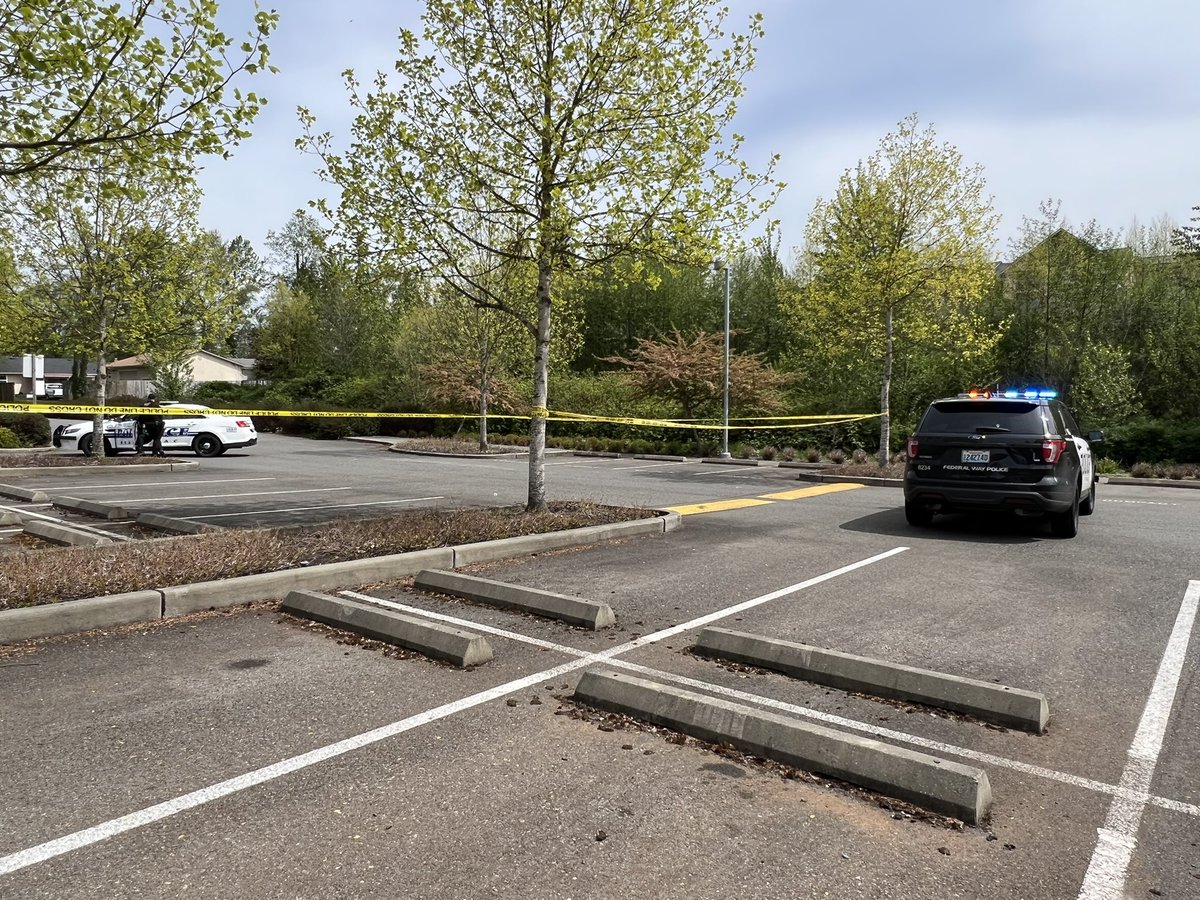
(716, 506)
(801, 493)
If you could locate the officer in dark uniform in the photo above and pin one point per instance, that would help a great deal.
(150, 425)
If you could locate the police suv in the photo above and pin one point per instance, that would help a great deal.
(1016, 451)
(202, 431)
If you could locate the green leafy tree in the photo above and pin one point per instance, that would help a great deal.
(559, 133)
(106, 270)
(156, 78)
(471, 357)
(901, 255)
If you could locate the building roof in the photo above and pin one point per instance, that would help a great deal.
(142, 360)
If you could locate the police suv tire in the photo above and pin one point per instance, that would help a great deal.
(918, 515)
(1088, 506)
(1066, 523)
(85, 445)
(207, 445)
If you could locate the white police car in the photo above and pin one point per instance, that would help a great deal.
(202, 431)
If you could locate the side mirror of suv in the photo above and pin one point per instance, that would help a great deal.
(1095, 437)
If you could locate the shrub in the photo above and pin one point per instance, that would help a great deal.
(1141, 470)
(812, 454)
(1106, 466)
(768, 452)
(8, 439)
(1154, 439)
(837, 456)
(788, 453)
(743, 451)
(28, 429)
(859, 455)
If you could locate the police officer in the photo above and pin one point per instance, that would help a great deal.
(150, 425)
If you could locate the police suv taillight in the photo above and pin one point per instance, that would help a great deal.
(1052, 451)
(912, 447)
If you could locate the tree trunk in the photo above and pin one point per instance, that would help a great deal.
(541, 375)
(885, 416)
(483, 406)
(101, 399)
(78, 385)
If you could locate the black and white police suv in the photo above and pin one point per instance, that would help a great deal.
(201, 430)
(1016, 451)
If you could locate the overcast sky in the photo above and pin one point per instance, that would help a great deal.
(1092, 102)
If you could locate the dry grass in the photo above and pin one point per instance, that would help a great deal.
(35, 577)
(47, 459)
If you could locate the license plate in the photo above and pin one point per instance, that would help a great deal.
(976, 456)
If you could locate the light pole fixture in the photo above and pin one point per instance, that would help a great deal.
(719, 265)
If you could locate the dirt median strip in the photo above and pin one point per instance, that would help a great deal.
(69, 616)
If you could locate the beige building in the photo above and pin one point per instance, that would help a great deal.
(132, 375)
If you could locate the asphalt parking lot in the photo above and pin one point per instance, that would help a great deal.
(247, 753)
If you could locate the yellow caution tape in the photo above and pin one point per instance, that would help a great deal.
(774, 422)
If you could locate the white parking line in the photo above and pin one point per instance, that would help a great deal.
(125, 485)
(663, 465)
(88, 836)
(246, 494)
(791, 708)
(256, 512)
(1117, 838)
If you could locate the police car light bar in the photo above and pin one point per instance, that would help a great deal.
(1031, 393)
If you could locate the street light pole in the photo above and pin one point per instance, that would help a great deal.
(725, 428)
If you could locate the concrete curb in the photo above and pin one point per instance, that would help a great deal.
(936, 784)
(91, 507)
(68, 471)
(189, 598)
(27, 495)
(1153, 482)
(1012, 707)
(851, 479)
(61, 618)
(603, 454)
(660, 458)
(718, 461)
(572, 610)
(79, 615)
(490, 551)
(173, 525)
(64, 534)
(445, 642)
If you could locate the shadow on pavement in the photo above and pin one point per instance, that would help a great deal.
(961, 528)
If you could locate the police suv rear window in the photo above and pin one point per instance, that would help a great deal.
(969, 416)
